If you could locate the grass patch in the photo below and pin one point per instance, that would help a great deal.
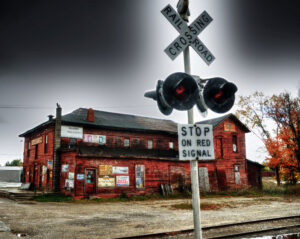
(53, 198)
(144, 197)
(203, 206)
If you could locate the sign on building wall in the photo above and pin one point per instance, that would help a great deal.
(105, 169)
(38, 140)
(120, 170)
(65, 168)
(139, 176)
(69, 183)
(122, 180)
(195, 142)
(71, 132)
(50, 164)
(71, 175)
(92, 138)
(44, 170)
(229, 127)
(106, 181)
(80, 176)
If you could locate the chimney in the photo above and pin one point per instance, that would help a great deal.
(90, 115)
(56, 159)
(50, 117)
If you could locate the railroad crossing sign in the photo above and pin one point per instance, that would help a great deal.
(188, 34)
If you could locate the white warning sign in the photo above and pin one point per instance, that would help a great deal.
(195, 142)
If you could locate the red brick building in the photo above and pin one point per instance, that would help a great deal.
(89, 152)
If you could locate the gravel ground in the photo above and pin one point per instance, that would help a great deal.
(110, 220)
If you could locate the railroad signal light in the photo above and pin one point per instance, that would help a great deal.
(219, 95)
(178, 91)
(182, 91)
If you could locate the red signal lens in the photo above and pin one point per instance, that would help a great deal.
(179, 90)
(219, 97)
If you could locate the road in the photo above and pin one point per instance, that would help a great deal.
(110, 220)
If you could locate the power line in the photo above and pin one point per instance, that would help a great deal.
(68, 107)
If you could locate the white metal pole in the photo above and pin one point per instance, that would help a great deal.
(193, 163)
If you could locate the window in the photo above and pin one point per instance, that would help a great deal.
(139, 176)
(72, 141)
(126, 142)
(36, 151)
(46, 144)
(150, 144)
(28, 148)
(234, 143)
(236, 168)
(171, 145)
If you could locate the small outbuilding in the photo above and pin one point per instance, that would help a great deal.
(11, 174)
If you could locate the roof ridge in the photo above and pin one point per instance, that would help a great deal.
(115, 113)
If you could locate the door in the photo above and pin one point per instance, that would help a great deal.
(36, 176)
(90, 181)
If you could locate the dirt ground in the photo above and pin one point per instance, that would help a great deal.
(111, 220)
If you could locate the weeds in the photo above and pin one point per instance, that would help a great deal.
(269, 189)
(53, 198)
(203, 206)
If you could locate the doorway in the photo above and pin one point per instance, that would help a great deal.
(90, 181)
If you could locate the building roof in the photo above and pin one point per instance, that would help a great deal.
(255, 163)
(119, 121)
(216, 121)
(110, 120)
(9, 168)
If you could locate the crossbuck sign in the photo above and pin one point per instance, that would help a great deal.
(188, 34)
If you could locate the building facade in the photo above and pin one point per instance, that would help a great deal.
(89, 152)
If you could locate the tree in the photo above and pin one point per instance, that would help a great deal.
(285, 111)
(282, 140)
(15, 162)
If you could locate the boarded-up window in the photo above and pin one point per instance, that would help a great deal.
(237, 177)
(204, 179)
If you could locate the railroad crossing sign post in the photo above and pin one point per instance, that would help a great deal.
(189, 37)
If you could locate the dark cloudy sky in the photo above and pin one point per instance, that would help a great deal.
(106, 54)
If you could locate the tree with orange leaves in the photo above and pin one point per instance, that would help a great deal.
(283, 140)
